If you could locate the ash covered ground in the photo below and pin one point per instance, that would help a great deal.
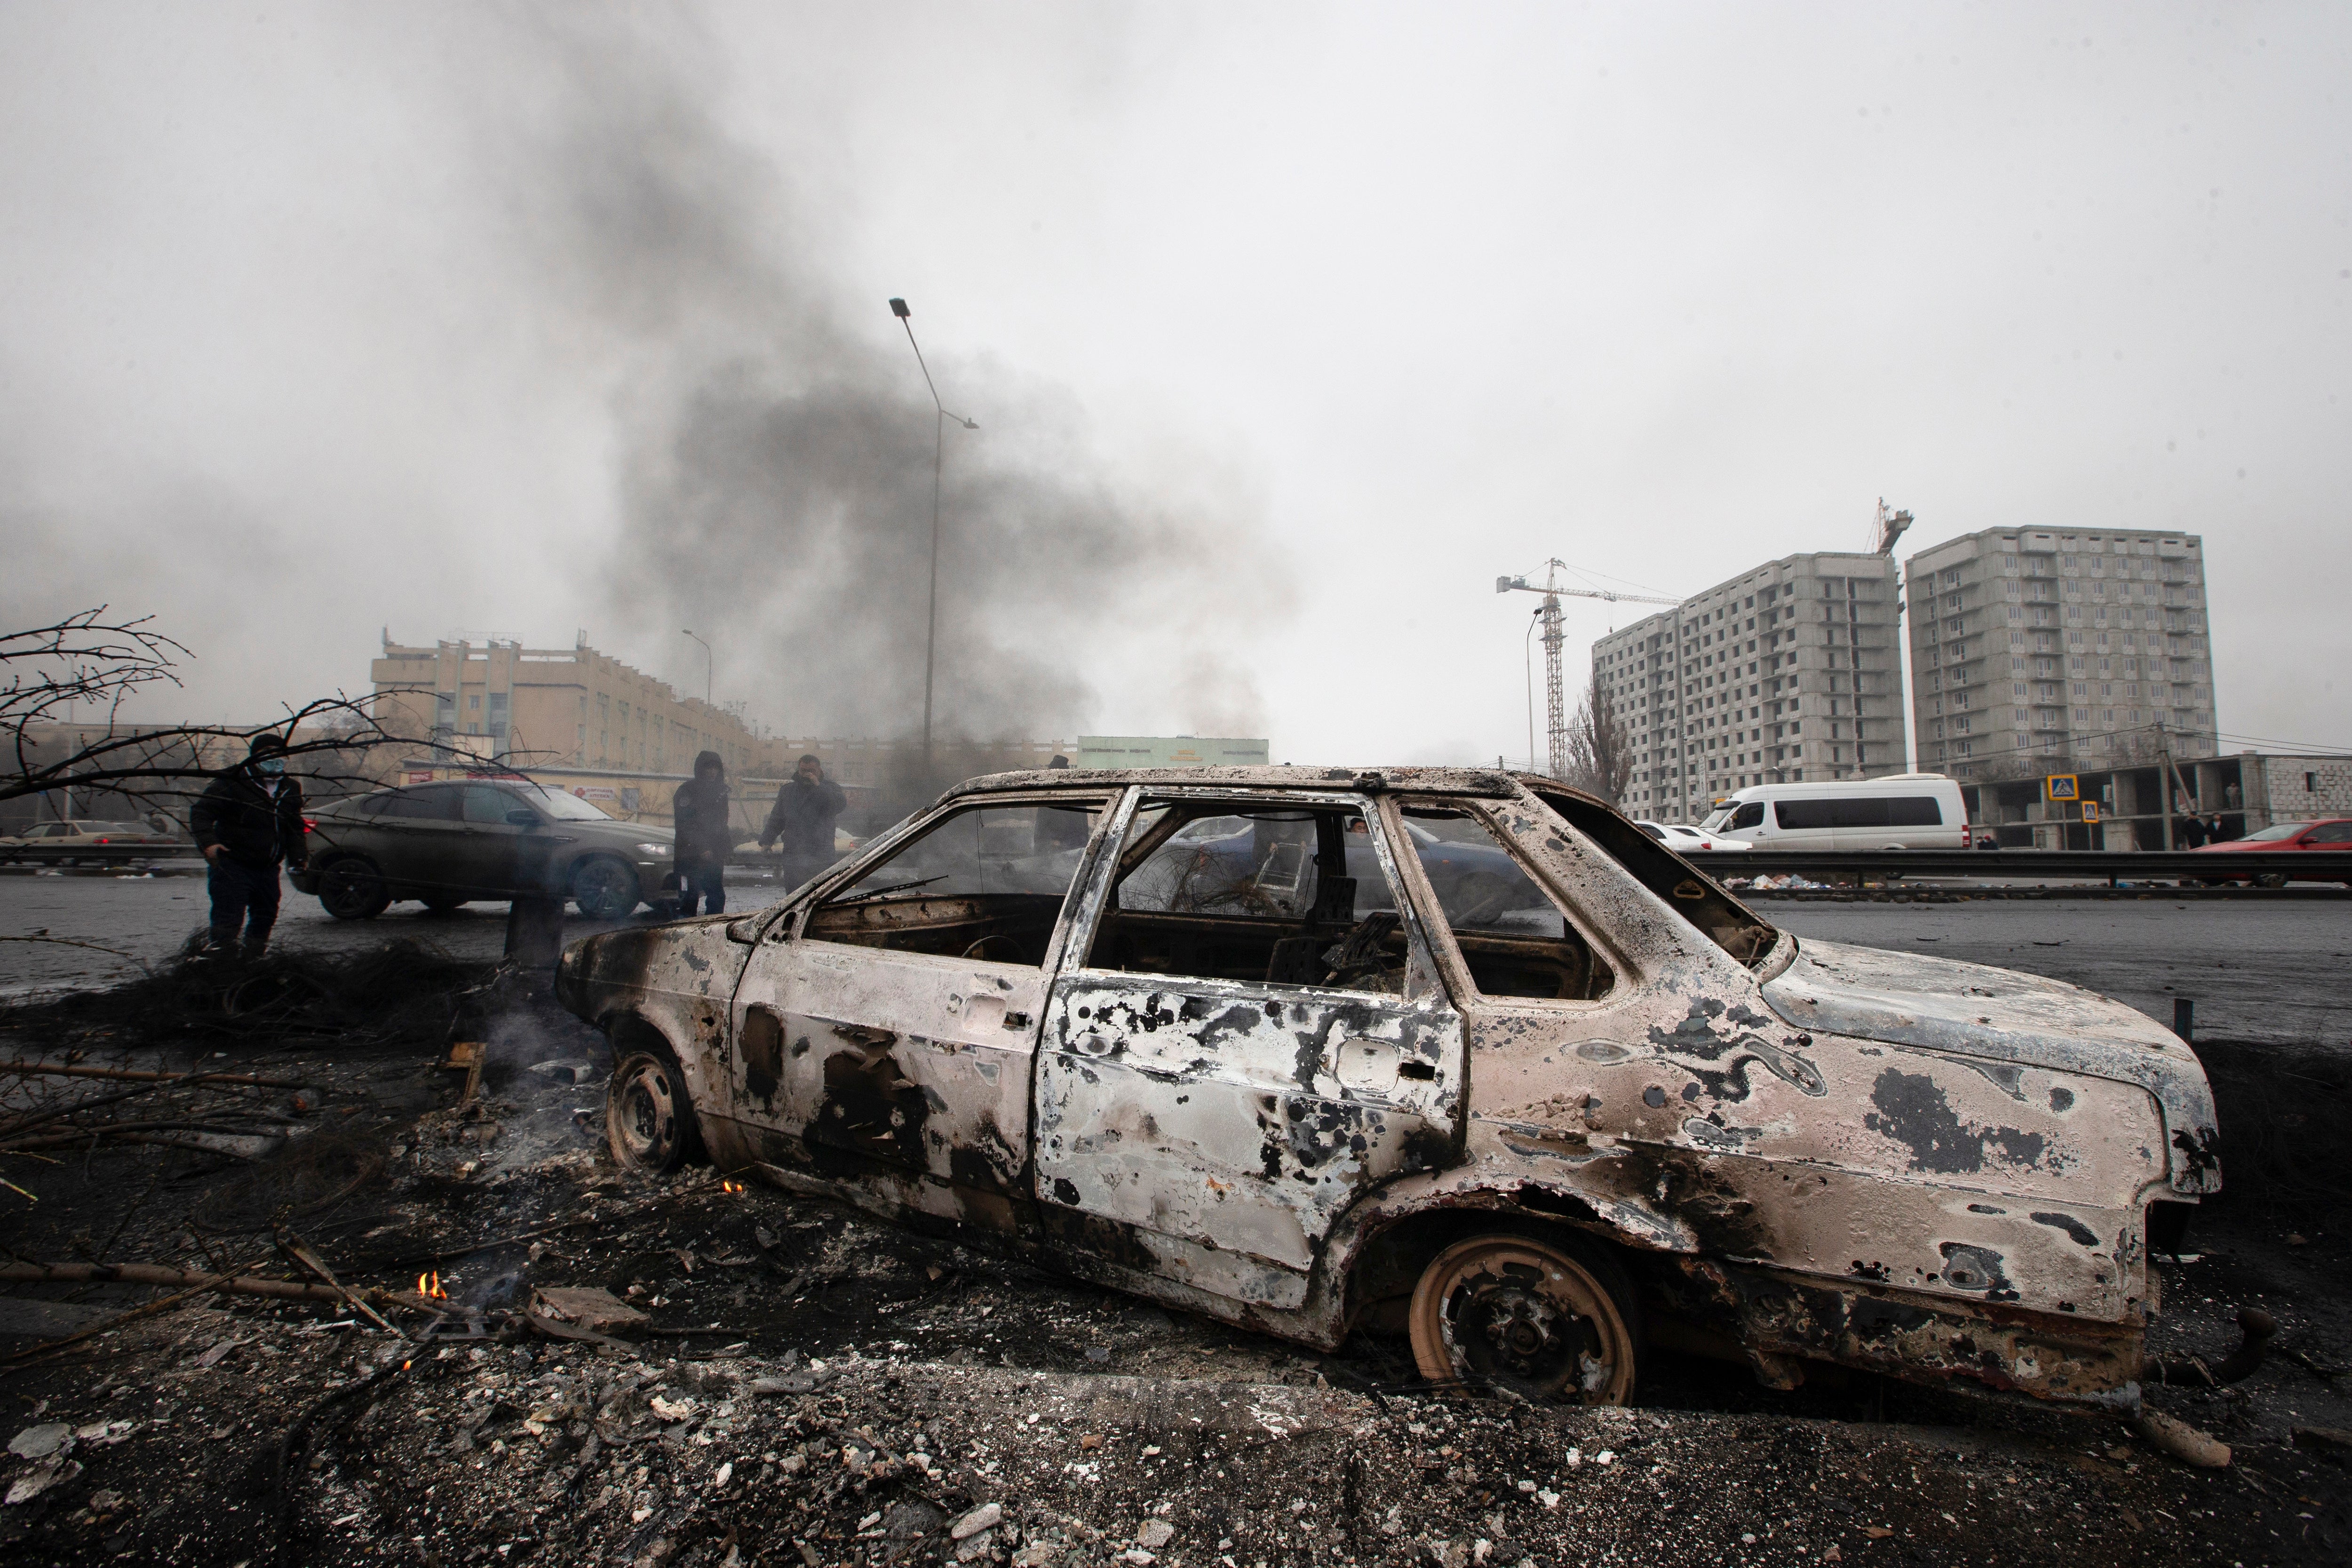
(816, 1387)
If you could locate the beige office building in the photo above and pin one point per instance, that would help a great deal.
(1786, 674)
(2086, 647)
(530, 707)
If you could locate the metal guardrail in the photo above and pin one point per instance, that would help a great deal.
(95, 853)
(2110, 865)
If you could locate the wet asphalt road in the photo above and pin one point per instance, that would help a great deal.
(2275, 973)
(147, 920)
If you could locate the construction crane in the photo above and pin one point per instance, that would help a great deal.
(1555, 682)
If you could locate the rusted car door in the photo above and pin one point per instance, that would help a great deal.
(883, 1039)
(1248, 1041)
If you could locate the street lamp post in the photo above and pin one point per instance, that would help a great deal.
(939, 457)
(706, 662)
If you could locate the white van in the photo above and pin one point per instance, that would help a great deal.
(1899, 811)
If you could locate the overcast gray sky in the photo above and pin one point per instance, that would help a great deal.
(1288, 329)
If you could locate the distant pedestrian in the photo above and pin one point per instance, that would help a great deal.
(807, 806)
(2190, 833)
(247, 824)
(704, 837)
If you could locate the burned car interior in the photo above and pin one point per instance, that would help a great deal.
(1238, 893)
(1299, 897)
(1515, 938)
(983, 883)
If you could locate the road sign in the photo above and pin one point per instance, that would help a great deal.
(2060, 786)
(2090, 811)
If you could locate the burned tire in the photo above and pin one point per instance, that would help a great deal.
(352, 890)
(648, 1117)
(605, 889)
(1546, 1319)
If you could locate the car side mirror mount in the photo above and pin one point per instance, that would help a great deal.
(520, 818)
(746, 930)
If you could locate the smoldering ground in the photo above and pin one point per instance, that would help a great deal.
(777, 444)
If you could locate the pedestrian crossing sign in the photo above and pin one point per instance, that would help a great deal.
(2060, 786)
(2090, 811)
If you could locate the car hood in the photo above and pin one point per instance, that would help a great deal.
(2000, 1016)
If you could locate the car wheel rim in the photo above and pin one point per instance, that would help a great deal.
(1500, 1311)
(345, 891)
(599, 889)
(645, 1117)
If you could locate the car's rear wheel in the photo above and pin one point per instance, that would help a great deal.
(605, 889)
(648, 1119)
(1544, 1318)
(352, 890)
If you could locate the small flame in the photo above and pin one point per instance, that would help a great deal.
(730, 1186)
(428, 1285)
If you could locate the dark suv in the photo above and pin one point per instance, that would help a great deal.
(478, 838)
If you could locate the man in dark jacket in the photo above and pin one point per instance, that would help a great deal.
(802, 817)
(704, 837)
(246, 822)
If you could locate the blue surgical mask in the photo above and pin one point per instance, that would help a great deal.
(271, 765)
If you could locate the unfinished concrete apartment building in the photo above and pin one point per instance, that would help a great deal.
(2086, 647)
(1789, 673)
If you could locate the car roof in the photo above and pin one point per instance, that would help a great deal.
(1488, 782)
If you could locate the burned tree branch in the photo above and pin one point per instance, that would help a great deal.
(91, 659)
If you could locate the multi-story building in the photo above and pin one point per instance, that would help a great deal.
(544, 706)
(1785, 674)
(2084, 646)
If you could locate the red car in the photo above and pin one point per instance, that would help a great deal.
(2284, 837)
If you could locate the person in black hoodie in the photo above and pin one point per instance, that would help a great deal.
(248, 821)
(704, 837)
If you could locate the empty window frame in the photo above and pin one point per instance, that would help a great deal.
(986, 882)
(1515, 939)
(1258, 892)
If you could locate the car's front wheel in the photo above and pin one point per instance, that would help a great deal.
(648, 1119)
(605, 889)
(1544, 1318)
(352, 890)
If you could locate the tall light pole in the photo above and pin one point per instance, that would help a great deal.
(938, 456)
(706, 662)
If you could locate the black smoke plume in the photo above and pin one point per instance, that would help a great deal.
(778, 450)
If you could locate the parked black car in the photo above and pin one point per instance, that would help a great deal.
(453, 842)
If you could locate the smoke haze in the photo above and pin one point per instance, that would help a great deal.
(777, 463)
(1288, 329)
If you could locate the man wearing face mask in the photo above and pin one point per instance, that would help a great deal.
(248, 821)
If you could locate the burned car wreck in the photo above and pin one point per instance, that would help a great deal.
(1462, 1055)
